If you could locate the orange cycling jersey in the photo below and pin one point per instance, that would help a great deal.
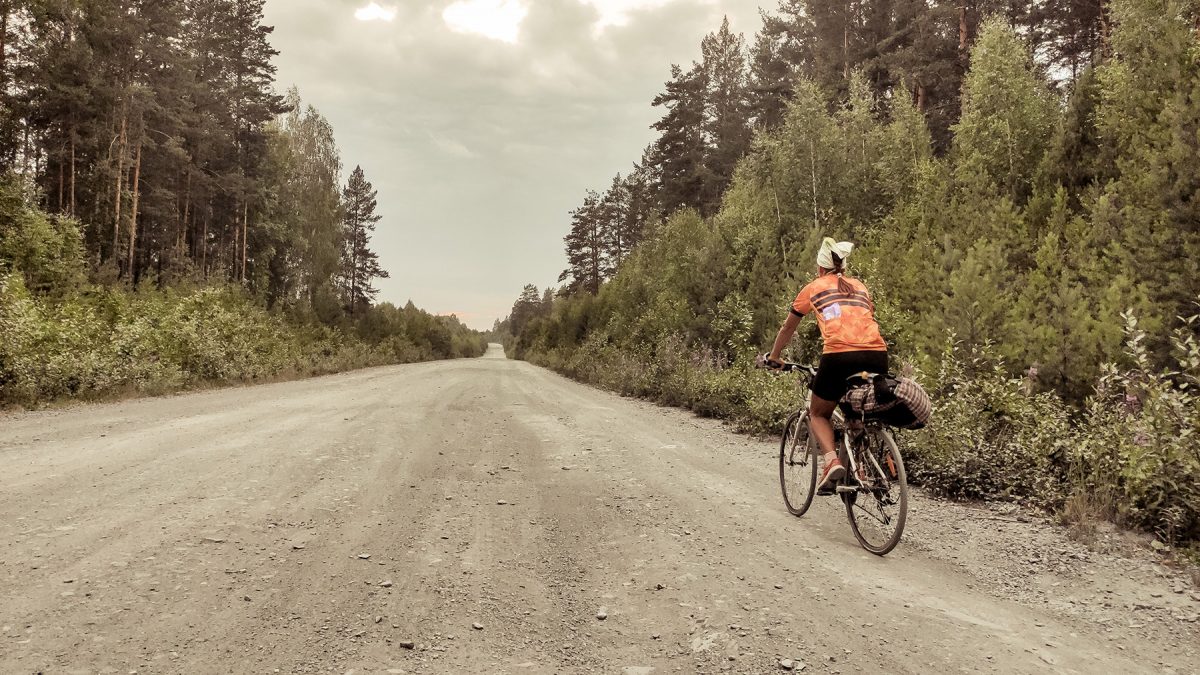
(847, 320)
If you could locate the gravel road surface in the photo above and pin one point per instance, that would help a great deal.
(490, 516)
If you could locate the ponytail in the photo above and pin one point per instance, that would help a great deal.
(839, 268)
(843, 285)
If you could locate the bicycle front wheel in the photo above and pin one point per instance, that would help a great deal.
(878, 506)
(797, 464)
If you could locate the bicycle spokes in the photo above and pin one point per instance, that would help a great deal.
(878, 503)
(798, 453)
(797, 468)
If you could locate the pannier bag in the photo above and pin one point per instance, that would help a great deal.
(895, 401)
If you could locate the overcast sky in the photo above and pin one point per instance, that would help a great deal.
(482, 122)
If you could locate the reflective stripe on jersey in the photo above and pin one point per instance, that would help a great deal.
(846, 319)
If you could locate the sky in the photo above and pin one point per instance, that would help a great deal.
(482, 123)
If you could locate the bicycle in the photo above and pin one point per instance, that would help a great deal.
(875, 487)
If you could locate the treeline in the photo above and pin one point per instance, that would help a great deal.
(894, 49)
(156, 126)
(1026, 221)
(145, 156)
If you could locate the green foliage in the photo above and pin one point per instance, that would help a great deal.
(1006, 116)
(1148, 114)
(1139, 446)
(46, 250)
(101, 341)
(991, 438)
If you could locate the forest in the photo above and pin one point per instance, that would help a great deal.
(1022, 181)
(167, 217)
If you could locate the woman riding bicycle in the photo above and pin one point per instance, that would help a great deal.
(846, 316)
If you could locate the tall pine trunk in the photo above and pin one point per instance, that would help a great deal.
(71, 212)
(354, 262)
(62, 179)
(846, 46)
(117, 189)
(963, 53)
(204, 249)
(181, 237)
(4, 10)
(245, 233)
(133, 209)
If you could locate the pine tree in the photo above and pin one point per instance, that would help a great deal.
(1055, 313)
(1071, 32)
(770, 84)
(525, 309)
(254, 103)
(727, 115)
(976, 298)
(1007, 117)
(641, 209)
(1147, 116)
(613, 212)
(360, 265)
(679, 153)
(587, 260)
(1074, 160)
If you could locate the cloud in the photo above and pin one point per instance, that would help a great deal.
(617, 12)
(451, 147)
(495, 19)
(375, 12)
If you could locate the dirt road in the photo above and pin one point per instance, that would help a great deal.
(478, 516)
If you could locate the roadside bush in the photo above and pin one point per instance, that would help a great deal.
(991, 438)
(1136, 455)
(102, 340)
(46, 250)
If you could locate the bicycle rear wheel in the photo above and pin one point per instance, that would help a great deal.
(878, 507)
(797, 464)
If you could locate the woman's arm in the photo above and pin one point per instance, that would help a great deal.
(785, 335)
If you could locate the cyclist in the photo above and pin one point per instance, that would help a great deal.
(846, 316)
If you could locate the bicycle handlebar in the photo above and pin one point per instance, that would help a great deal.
(785, 366)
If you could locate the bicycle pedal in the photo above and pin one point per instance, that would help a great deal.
(844, 489)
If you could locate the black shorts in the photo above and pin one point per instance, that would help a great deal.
(830, 382)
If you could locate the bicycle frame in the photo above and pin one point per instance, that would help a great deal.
(856, 442)
(860, 430)
(849, 432)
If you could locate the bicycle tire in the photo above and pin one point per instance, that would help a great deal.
(897, 494)
(798, 464)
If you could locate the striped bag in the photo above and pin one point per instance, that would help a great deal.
(895, 401)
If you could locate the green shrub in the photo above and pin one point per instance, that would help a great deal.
(46, 250)
(1138, 446)
(990, 437)
(102, 340)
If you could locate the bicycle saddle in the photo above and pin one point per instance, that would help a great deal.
(862, 378)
